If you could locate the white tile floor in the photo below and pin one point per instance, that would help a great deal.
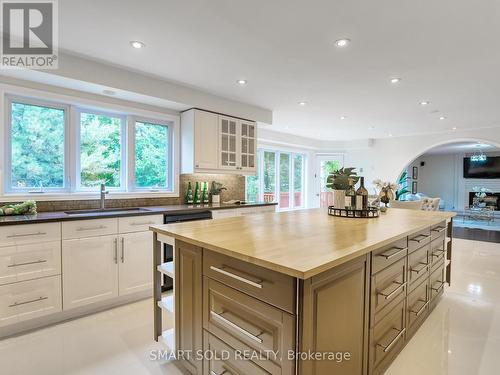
(461, 337)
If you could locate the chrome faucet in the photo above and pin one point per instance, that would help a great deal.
(103, 196)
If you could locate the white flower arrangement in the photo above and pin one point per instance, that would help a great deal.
(385, 185)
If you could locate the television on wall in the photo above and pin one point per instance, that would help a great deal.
(489, 168)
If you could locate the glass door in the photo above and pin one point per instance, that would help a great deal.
(248, 145)
(228, 136)
(326, 165)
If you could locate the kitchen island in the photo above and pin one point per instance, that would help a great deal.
(302, 292)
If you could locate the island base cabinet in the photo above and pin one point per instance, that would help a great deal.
(335, 319)
(188, 290)
(90, 271)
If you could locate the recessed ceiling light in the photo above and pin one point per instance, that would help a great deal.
(137, 44)
(108, 92)
(343, 117)
(341, 43)
(242, 82)
(390, 134)
(302, 104)
(454, 128)
(425, 102)
(395, 80)
(442, 118)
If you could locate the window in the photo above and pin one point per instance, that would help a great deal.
(62, 148)
(280, 178)
(37, 146)
(152, 155)
(100, 150)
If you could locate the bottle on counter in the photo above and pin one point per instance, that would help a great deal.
(189, 194)
(204, 192)
(362, 196)
(197, 193)
(350, 195)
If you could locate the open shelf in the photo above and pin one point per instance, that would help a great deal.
(167, 303)
(167, 269)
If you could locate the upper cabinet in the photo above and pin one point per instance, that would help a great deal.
(213, 143)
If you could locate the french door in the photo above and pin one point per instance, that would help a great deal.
(326, 164)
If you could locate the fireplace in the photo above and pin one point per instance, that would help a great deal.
(491, 200)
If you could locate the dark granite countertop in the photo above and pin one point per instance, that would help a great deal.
(46, 217)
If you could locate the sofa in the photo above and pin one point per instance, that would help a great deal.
(425, 204)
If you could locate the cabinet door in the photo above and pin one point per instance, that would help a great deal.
(228, 137)
(206, 140)
(248, 145)
(188, 303)
(90, 270)
(136, 259)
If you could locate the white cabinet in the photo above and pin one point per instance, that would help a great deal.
(136, 259)
(97, 268)
(213, 143)
(90, 270)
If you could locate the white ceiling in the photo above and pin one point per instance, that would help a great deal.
(446, 51)
(461, 148)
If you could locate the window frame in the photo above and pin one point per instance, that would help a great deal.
(71, 104)
(132, 150)
(77, 153)
(7, 164)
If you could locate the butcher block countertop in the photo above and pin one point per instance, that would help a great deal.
(301, 243)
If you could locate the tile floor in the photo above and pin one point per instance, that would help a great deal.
(461, 337)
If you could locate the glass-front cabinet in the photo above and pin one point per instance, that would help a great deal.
(238, 144)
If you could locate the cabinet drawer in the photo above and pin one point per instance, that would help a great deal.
(138, 223)
(244, 322)
(89, 228)
(224, 359)
(266, 285)
(417, 306)
(419, 239)
(438, 230)
(29, 299)
(437, 252)
(29, 233)
(384, 257)
(418, 265)
(30, 261)
(437, 281)
(387, 339)
(388, 285)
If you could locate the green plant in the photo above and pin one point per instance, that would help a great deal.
(216, 188)
(25, 208)
(339, 180)
(403, 185)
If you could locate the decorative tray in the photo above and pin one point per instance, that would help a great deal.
(370, 212)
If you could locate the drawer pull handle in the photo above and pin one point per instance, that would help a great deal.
(423, 266)
(27, 263)
(143, 223)
(438, 289)
(239, 278)
(439, 229)
(394, 292)
(236, 327)
(91, 228)
(388, 255)
(394, 340)
(26, 302)
(420, 238)
(27, 235)
(421, 310)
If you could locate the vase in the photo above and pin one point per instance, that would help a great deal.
(386, 195)
(215, 199)
(339, 199)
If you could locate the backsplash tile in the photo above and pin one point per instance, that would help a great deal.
(234, 184)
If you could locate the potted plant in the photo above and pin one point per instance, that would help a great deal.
(215, 191)
(338, 181)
